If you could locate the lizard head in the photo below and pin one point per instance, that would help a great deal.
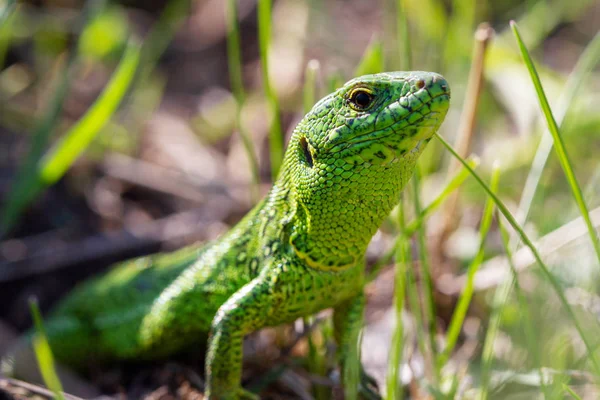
(349, 158)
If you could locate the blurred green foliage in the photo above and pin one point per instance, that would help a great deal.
(104, 35)
(48, 53)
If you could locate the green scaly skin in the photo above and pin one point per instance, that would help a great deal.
(299, 251)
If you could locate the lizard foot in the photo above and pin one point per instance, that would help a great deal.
(369, 390)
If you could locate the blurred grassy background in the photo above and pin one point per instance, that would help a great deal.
(131, 127)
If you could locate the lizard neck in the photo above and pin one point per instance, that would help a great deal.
(331, 231)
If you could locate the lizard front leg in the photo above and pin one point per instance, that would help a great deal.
(243, 313)
(347, 323)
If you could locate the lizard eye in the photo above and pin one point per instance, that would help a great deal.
(306, 151)
(361, 99)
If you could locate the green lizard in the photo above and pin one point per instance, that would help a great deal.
(300, 250)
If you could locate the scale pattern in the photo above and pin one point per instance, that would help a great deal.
(299, 251)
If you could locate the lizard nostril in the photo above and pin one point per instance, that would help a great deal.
(420, 84)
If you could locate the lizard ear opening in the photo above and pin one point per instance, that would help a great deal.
(306, 150)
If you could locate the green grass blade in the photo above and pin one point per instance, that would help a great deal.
(456, 181)
(498, 304)
(571, 392)
(403, 263)
(414, 305)
(56, 162)
(527, 318)
(234, 56)
(499, 301)
(264, 42)
(543, 17)
(309, 96)
(372, 59)
(461, 25)
(334, 82)
(585, 65)
(43, 353)
(429, 314)
(27, 178)
(515, 225)
(77, 139)
(487, 353)
(559, 145)
(460, 312)
(158, 39)
(237, 87)
(403, 36)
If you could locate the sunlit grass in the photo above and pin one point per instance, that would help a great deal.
(275, 130)
(235, 77)
(581, 72)
(372, 61)
(334, 81)
(436, 45)
(43, 353)
(50, 168)
(161, 34)
(559, 145)
(453, 184)
(571, 392)
(26, 182)
(309, 92)
(499, 302)
(41, 170)
(460, 311)
(457, 180)
(394, 389)
(573, 86)
(78, 138)
(527, 241)
(402, 36)
(427, 295)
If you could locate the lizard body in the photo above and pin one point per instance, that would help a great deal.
(300, 250)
